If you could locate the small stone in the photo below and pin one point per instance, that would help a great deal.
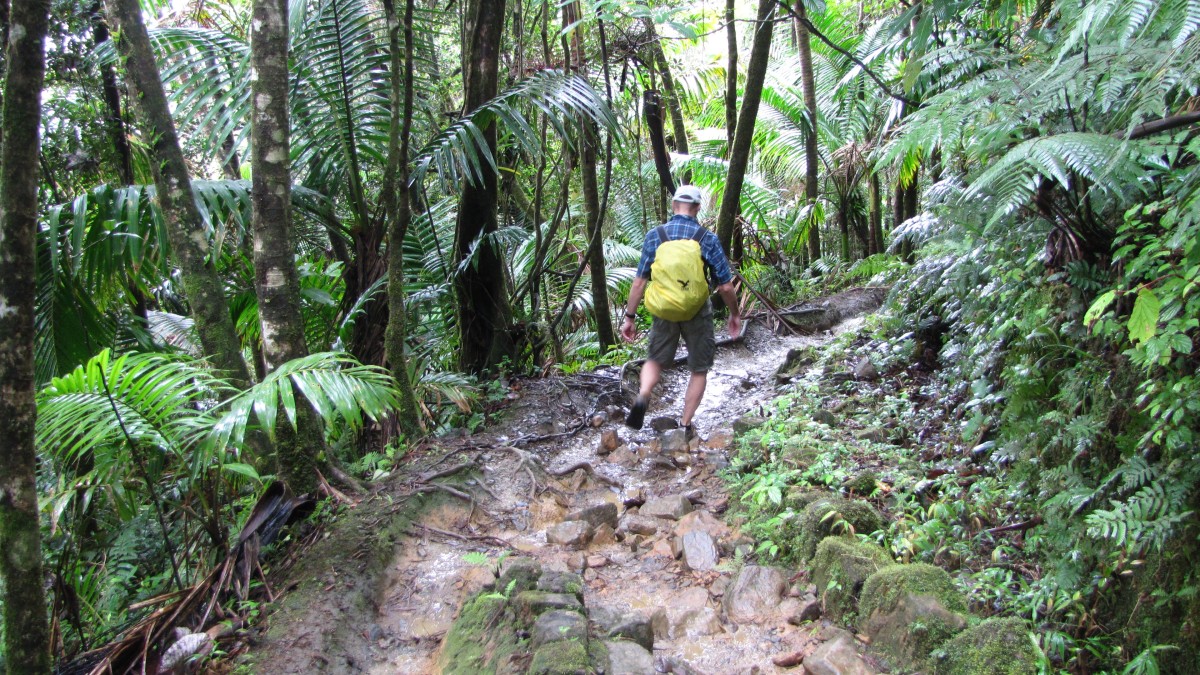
(702, 521)
(699, 551)
(522, 570)
(825, 417)
(674, 440)
(557, 625)
(594, 561)
(577, 562)
(623, 457)
(589, 575)
(872, 434)
(675, 623)
(572, 533)
(755, 594)
(568, 583)
(628, 658)
(864, 370)
(597, 515)
(662, 549)
(694, 496)
(634, 497)
(672, 507)
(608, 441)
(531, 604)
(604, 535)
(599, 419)
(716, 460)
(661, 424)
(836, 657)
(682, 459)
(637, 523)
(720, 439)
(807, 608)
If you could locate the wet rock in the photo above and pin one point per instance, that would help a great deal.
(702, 521)
(994, 646)
(609, 441)
(599, 419)
(662, 548)
(908, 610)
(828, 516)
(521, 571)
(572, 533)
(604, 535)
(594, 561)
(864, 370)
(746, 423)
(628, 658)
(661, 424)
(693, 597)
(841, 567)
(694, 496)
(565, 657)
(699, 551)
(716, 460)
(671, 624)
(577, 562)
(836, 657)
(634, 497)
(720, 439)
(597, 515)
(674, 440)
(682, 459)
(568, 583)
(623, 457)
(678, 666)
(637, 523)
(672, 507)
(532, 604)
(612, 623)
(558, 625)
(807, 608)
(755, 594)
(590, 575)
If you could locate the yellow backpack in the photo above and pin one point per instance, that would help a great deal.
(677, 288)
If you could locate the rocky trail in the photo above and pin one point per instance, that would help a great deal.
(558, 512)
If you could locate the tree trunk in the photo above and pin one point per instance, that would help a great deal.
(652, 106)
(26, 630)
(397, 202)
(670, 91)
(186, 230)
(807, 82)
(276, 282)
(112, 100)
(875, 216)
(739, 158)
(730, 75)
(595, 221)
(479, 285)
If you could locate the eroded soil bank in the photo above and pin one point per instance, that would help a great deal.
(379, 593)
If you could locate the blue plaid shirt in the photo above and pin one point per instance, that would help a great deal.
(684, 227)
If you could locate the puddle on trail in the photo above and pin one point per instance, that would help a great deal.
(430, 578)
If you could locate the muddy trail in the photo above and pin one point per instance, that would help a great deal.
(557, 481)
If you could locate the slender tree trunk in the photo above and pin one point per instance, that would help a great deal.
(731, 68)
(26, 631)
(276, 281)
(670, 91)
(595, 221)
(875, 215)
(739, 158)
(479, 286)
(808, 84)
(112, 100)
(652, 106)
(843, 222)
(398, 207)
(186, 229)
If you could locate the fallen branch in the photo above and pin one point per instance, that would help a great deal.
(434, 487)
(1018, 527)
(430, 475)
(484, 539)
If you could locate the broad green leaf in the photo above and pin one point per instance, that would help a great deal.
(1143, 322)
(243, 469)
(1098, 307)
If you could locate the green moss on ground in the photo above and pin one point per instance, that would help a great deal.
(884, 589)
(839, 570)
(908, 610)
(826, 517)
(482, 636)
(994, 647)
(565, 657)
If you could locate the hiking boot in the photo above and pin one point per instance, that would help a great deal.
(689, 432)
(637, 414)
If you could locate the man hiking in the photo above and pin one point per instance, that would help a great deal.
(672, 257)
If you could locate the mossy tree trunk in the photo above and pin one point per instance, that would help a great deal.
(731, 67)
(808, 84)
(397, 204)
(26, 630)
(185, 227)
(479, 286)
(739, 157)
(276, 282)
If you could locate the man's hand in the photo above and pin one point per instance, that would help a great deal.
(735, 324)
(628, 330)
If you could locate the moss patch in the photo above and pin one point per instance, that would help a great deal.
(908, 610)
(840, 569)
(566, 657)
(826, 517)
(994, 647)
(483, 636)
(884, 589)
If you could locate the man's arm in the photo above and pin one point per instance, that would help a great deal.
(729, 295)
(628, 327)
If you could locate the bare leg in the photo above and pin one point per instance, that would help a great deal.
(691, 399)
(651, 372)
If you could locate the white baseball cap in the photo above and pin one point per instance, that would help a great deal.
(689, 194)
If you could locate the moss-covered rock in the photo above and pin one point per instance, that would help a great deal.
(908, 610)
(800, 496)
(864, 484)
(839, 570)
(569, 657)
(531, 604)
(994, 647)
(830, 516)
(521, 573)
(482, 636)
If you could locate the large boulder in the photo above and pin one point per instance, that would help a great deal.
(830, 516)
(755, 594)
(908, 610)
(699, 551)
(994, 647)
(839, 570)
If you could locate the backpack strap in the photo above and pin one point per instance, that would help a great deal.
(662, 234)
(699, 236)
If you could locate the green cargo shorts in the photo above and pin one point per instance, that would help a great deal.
(697, 334)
